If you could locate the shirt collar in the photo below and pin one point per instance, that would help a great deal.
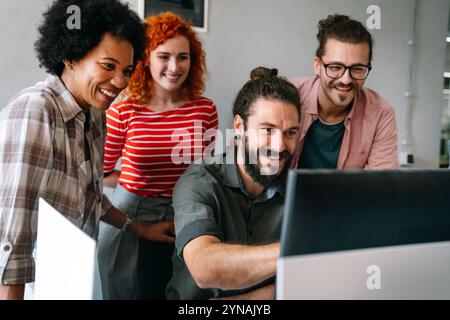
(67, 105)
(232, 178)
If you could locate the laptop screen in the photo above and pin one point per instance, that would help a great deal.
(329, 210)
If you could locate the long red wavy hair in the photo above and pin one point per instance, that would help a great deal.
(160, 28)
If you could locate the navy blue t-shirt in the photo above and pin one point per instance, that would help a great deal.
(322, 145)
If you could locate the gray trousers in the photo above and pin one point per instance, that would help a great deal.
(130, 267)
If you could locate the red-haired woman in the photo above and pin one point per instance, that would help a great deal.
(163, 121)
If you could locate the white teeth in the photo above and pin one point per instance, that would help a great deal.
(172, 77)
(343, 89)
(108, 93)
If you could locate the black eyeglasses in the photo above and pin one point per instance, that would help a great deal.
(337, 70)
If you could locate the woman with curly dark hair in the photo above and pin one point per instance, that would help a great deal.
(52, 134)
(163, 109)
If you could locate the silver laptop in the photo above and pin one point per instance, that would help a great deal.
(65, 259)
(399, 272)
(365, 235)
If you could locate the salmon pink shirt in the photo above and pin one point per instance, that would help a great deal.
(370, 137)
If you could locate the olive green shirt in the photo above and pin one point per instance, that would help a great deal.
(211, 200)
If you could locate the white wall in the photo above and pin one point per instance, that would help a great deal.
(247, 33)
(431, 56)
(244, 34)
(19, 67)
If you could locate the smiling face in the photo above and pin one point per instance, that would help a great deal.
(339, 93)
(271, 134)
(170, 63)
(98, 78)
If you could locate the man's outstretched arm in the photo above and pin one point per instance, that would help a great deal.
(214, 264)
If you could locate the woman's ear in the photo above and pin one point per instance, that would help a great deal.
(68, 64)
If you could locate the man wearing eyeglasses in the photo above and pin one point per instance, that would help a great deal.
(344, 125)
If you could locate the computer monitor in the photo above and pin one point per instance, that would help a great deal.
(329, 210)
(365, 235)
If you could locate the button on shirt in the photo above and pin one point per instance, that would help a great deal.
(42, 154)
(210, 200)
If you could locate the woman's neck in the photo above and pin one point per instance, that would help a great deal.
(161, 100)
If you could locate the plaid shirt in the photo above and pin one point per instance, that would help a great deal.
(42, 154)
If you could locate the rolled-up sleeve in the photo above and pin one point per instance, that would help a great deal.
(383, 154)
(25, 155)
(194, 213)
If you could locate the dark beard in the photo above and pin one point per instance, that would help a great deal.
(342, 98)
(266, 181)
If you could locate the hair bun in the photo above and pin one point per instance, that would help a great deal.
(263, 72)
(330, 21)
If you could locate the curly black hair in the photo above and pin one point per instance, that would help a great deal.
(57, 42)
(264, 83)
(342, 28)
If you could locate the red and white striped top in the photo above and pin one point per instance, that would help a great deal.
(157, 147)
